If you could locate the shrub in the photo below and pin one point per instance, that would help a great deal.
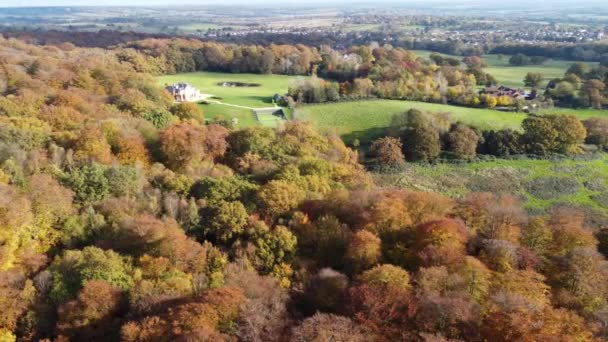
(597, 131)
(502, 143)
(387, 151)
(462, 141)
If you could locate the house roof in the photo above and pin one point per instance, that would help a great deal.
(179, 86)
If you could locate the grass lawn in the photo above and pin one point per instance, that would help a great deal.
(255, 97)
(366, 120)
(245, 117)
(260, 96)
(513, 76)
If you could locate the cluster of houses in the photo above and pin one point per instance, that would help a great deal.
(516, 94)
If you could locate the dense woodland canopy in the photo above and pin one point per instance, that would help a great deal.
(124, 217)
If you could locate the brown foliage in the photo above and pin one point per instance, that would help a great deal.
(94, 315)
(182, 144)
(387, 151)
(327, 327)
(92, 146)
(386, 310)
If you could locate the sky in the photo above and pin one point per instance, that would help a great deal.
(36, 3)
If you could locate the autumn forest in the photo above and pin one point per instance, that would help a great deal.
(125, 216)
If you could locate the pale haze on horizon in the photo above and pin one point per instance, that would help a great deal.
(49, 3)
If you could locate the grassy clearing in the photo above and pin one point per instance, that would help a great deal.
(541, 184)
(255, 97)
(366, 120)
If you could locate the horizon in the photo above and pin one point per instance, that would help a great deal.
(283, 3)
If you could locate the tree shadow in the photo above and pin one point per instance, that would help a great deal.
(264, 99)
(366, 136)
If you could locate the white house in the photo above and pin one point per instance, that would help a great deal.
(184, 92)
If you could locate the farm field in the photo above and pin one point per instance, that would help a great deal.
(540, 184)
(513, 76)
(254, 97)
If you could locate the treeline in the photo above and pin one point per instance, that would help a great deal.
(101, 39)
(581, 86)
(124, 218)
(358, 72)
(169, 56)
(420, 136)
(592, 52)
(596, 52)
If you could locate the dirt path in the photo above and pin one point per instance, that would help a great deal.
(238, 106)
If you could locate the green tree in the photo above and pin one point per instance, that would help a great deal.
(462, 141)
(387, 274)
(278, 197)
(593, 92)
(571, 133)
(420, 138)
(502, 143)
(217, 190)
(533, 79)
(579, 69)
(537, 236)
(89, 183)
(124, 180)
(225, 220)
(73, 268)
(273, 247)
(519, 59)
(540, 136)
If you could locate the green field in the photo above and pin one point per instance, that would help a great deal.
(540, 184)
(254, 97)
(513, 76)
(366, 120)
